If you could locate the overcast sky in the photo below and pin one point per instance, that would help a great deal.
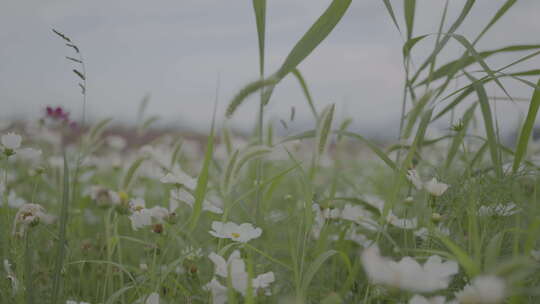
(176, 50)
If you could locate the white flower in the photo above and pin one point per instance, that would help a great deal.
(185, 196)
(423, 232)
(487, 289)
(359, 215)
(15, 201)
(418, 299)
(153, 298)
(507, 209)
(233, 267)
(353, 235)
(30, 215)
(10, 275)
(407, 274)
(240, 233)
(219, 292)
(116, 142)
(402, 223)
(263, 281)
(414, 178)
(435, 188)
(11, 141)
(103, 196)
(535, 254)
(179, 177)
(140, 216)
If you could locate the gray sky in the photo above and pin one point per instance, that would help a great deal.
(175, 51)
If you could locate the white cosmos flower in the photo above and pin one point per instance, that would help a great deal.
(153, 298)
(418, 299)
(486, 289)
(423, 233)
(435, 187)
(359, 215)
(233, 267)
(535, 254)
(414, 178)
(219, 292)
(140, 216)
(182, 195)
(507, 209)
(10, 275)
(240, 233)
(30, 215)
(11, 141)
(407, 274)
(14, 201)
(179, 177)
(403, 223)
(263, 281)
(116, 142)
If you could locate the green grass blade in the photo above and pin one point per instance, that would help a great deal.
(305, 89)
(468, 264)
(458, 138)
(202, 182)
(61, 245)
(446, 37)
(324, 129)
(259, 7)
(526, 131)
(409, 10)
(418, 139)
(415, 112)
(390, 11)
(506, 6)
(493, 143)
(314, 36)
(450, 69)
(317, 264)
(311, 39)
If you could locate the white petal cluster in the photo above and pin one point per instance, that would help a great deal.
(432, 186)
(487, 289)
(435, 187)
(408, 274)
(75, 302)
(242, 233)
(30, 215)
(499, 210)
(11, 141)
(10, 275)
(179, 178)
(235, 268)
(418, 299)
(141, 216)
(182, 195)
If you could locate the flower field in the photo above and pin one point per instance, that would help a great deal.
(325, 215)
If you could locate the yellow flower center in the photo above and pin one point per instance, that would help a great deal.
(235, 235)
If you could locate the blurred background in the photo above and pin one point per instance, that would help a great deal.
(177, 52)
